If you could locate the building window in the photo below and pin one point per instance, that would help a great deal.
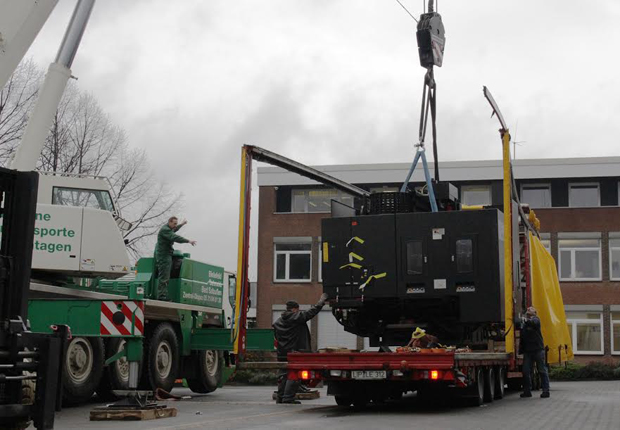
(586, 332)
(580, 259)
(536, 195)
(318, 200)
(615, 332)
(583, 195)
(476, 195)
(293, 262)
(614, 257)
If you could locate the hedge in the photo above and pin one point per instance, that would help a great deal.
(593, 370)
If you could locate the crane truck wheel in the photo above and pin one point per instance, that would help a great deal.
(489, 385)
(116, 374)
(162, 357)
(82, 369)
(208, 365)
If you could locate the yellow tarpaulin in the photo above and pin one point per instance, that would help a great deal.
(547, 299)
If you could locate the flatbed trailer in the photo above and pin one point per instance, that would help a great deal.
(360, 377)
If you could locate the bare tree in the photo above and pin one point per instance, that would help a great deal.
(143, 201)
(16, 100)
(84, 140)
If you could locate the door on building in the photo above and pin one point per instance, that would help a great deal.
(332, 334)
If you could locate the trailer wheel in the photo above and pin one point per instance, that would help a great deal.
(82, 369)
(209, 367)
(343, 401)
(116, 375)
(500, 382)
(477, 389)
(162, 357)
(489, 385)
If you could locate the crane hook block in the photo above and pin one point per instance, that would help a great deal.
(431, 39)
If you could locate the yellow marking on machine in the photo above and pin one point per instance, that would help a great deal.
(371, 277)
(357, 239)
(353, 255)
(353, 265)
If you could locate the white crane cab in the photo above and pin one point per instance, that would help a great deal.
(78, 229)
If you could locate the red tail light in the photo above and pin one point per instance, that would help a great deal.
(434, 375)
(304, 374)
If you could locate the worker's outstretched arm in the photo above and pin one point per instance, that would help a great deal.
(169, 234)
(305, 316)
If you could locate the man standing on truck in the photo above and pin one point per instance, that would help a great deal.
(533, 348)
(292, 334)
(163, 253)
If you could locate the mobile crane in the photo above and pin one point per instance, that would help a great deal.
(122, 337)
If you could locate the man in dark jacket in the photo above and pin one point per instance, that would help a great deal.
(292, 334)
(533, 348)
(163, 253)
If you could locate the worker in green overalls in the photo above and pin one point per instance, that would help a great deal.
(163, 253)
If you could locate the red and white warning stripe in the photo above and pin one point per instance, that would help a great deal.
(128, 309)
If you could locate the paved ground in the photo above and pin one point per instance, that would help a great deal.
(572, 406)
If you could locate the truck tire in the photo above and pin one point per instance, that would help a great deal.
(116, 374)
(489, 385)
(27, 398)
(476, 390)
(500, 382)
(82, 369)
(208, 365)
(162, 357)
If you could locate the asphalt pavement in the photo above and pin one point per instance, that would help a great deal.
(572, 406)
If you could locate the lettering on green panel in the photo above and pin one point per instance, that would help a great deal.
(201, 284)
(50, 239)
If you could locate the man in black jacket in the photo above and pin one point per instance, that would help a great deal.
(292, 334)
(533, 348)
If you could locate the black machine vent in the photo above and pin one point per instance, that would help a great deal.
(391, 203)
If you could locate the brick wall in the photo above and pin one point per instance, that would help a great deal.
(270, 225)
(599, 220)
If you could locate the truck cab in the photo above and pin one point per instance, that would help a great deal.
(78, 230)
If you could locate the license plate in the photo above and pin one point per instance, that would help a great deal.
(368, 374)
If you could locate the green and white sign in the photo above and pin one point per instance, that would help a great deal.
(199, 284)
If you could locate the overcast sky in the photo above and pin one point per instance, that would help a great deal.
(336, 82)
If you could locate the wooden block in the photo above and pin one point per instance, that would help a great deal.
(110, 414)
(308, 396)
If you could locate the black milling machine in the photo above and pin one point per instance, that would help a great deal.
(417, 258)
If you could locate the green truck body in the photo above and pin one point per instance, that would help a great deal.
(193, 321)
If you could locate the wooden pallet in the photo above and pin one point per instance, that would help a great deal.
(109, 414)
(312, 395)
